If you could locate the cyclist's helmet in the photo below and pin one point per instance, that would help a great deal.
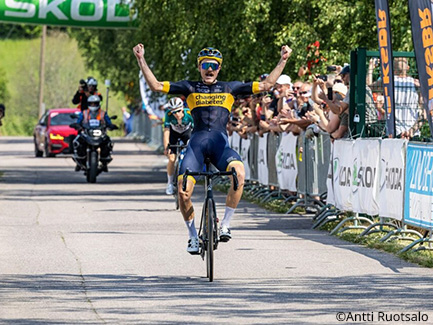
(175, 104)
(94, 103)
(210, 53)
(92, 82)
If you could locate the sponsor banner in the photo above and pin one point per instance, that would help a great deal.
(422, 37)
(391, 189)
(418, 189)
(74, 13)
(263, 160)
(245, 149)
(285, 161)
(236, 142)
(342, 164)
(365, 176)
(386, 61)
(329, 178)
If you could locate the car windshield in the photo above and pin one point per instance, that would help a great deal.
(61, 119)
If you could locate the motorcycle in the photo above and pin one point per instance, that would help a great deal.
(93, 135)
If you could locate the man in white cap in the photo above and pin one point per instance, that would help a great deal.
(284, 89)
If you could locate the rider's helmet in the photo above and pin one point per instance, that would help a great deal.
(92, 82)
(210, 53)
(175, 104)
(94, 103)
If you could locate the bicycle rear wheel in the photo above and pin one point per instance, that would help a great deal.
(210, 239)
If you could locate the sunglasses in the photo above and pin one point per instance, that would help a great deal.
(179, 110)
(336, 81)
(296, 88)
(303, 92)
(207, 65)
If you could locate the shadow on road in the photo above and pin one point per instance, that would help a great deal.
(145, 297)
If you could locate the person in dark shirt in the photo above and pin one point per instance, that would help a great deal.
(85, 90)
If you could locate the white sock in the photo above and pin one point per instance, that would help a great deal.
(170, 178)
(191, 228)
(227, 217)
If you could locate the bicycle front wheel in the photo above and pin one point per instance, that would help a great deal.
(175, 189)
(210, 239)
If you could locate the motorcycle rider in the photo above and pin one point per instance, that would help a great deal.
(91, 116)
(85, 90)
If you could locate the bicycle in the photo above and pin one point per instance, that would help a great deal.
(209, 229)
(179, 156)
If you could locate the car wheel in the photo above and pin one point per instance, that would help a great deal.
(38, 153)
(47, 152)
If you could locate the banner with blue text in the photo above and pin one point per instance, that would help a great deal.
(418, 189)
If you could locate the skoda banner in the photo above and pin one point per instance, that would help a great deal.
(422, 36)
(75, 13)
(385, 50)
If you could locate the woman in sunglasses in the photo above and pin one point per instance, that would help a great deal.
(210, 102)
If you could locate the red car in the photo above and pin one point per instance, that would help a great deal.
(52, 135)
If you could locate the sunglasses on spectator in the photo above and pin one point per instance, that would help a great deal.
(296, 88)
(303, 92)
(207, 65)
(338, 81)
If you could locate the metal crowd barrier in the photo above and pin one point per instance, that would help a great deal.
(146, 130)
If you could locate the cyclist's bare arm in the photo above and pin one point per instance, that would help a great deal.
(151, 80)
(270, 81)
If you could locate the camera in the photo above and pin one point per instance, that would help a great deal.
(83, 85)
(234, 120)
(331, 68)
(323, 77)
(330, 93)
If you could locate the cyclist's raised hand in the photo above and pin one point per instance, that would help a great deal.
(139, 51)
(285, 52)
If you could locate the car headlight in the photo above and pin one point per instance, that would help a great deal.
(56, 137)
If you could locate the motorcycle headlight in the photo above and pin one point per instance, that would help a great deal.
(56, 137)
(96, 133)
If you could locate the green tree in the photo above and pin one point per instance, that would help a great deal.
(249, 33)
(19, 31)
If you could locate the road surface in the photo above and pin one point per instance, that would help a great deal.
(114, 252)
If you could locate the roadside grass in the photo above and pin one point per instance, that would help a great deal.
(422, 257)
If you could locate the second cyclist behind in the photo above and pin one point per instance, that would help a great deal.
(210, 102)
(178, 124)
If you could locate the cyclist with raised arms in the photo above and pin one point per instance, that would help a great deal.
(210, 102)
(178, 124)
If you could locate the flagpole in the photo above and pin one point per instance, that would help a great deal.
(42, 71)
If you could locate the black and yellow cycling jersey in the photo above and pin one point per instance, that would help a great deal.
(210, 105)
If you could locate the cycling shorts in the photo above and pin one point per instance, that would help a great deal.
(208, 144)
(174, 136)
